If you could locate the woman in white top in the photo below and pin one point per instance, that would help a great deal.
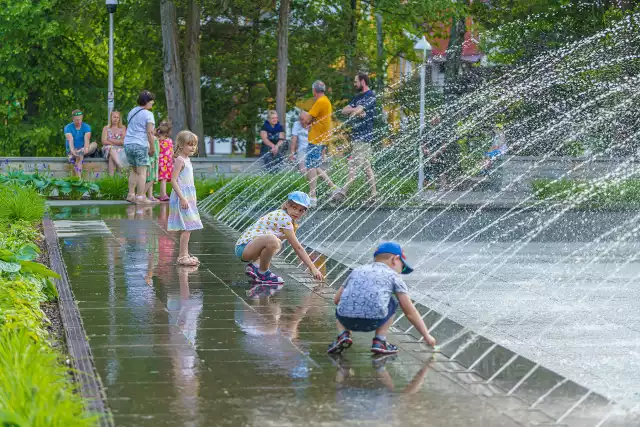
(139, 145)
(299, 145)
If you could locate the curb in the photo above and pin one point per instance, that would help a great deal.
(84, 372)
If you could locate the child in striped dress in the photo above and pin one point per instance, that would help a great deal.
(183, 211)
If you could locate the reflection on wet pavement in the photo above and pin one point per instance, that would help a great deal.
(198, 346)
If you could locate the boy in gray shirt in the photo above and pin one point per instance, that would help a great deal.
(365, 301)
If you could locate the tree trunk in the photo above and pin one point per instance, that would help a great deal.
(192, 75)
(454, 54)
(283, 62)
(380, 57)
(172, 71)
(352, 41)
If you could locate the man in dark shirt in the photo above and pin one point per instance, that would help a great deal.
(361, 112)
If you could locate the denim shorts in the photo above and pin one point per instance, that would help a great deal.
(137, 155)
(367, 325)
(240, 250)
(314, 156)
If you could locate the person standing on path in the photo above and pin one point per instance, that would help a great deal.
(78, 135)
(183, 203)
(139, 145)
(299, 145)
(112, 141)
(361, 110)
(319, 117)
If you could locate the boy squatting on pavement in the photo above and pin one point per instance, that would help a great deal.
(365, 301)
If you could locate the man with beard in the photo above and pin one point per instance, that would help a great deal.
(361, 111)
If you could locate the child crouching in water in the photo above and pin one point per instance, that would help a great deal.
(365, 302)
(183, 209)
(261, 241)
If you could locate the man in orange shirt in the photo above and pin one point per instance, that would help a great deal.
(320, 119)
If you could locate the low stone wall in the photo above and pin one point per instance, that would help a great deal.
(522, 170)
(203, 167)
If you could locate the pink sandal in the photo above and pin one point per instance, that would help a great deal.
(164, 199)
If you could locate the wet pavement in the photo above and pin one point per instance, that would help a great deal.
(177, 346)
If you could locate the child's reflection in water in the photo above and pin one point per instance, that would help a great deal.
(185, 310)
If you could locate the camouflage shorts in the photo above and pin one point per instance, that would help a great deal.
(137, 155)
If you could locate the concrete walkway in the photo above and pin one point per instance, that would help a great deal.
(200, 347)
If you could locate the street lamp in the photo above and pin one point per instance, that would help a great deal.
(112, 5)
(425, 47)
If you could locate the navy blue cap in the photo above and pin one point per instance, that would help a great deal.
(394, 249)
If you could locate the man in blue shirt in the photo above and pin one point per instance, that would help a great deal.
(78, 135)
(361, 112)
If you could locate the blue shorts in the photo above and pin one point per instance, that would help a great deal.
(494, 154)
(240, 250)
(367, 325)
(314, 156)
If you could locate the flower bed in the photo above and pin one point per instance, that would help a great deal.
(35, 386)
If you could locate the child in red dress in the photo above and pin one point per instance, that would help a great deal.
(165, 161)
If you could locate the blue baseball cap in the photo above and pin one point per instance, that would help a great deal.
(300, 198)
(395, 249)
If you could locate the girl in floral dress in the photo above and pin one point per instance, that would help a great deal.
(165, 162)
(183, 210)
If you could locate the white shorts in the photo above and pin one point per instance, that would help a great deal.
(301, 155)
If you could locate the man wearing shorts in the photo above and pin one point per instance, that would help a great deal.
(361, 111)
(320, 119)
(78, 141)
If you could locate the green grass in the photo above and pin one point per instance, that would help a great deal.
(606, 194)
(21, 203)
(34, 385)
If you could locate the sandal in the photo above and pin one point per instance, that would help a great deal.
(131, 198)
(164, 199)
(194, 258)
(141, 200)
(187, 261)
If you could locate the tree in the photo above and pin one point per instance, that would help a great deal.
(283, 61)
(192, 80)
(172, 70)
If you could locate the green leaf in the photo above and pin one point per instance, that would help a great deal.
(50, 290)
(39, 269)
(27, 252)
(9, 267)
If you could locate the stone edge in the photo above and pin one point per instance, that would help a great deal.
(90, 385)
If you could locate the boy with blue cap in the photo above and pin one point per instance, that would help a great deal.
(263, 239)
(365, 301)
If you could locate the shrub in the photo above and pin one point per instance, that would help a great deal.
(21, 203)
(35, 388)
(601, 194)
(113, 187)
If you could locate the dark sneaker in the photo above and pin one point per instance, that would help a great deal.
(251, 271)
(341, 343)
(268, 278)
(383, 347)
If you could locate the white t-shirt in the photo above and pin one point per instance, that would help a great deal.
(302, 134)
(272, 223)
(137, 127)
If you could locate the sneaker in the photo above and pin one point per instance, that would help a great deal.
(338, 195)
(383, 347)
(251, 270)
(341, 343)
(268, 277)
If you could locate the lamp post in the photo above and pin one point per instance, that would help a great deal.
(425, 47)
(112, 5)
